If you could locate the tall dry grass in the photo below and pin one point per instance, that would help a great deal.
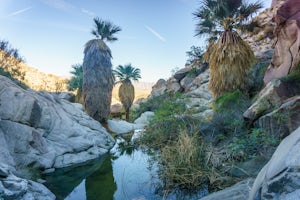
(183, 163)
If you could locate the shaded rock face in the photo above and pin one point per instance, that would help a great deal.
(283, 120)
(280, 177)
(16, 188)
(271, 97)
(287, 54)
(41, 131)
(239, 191)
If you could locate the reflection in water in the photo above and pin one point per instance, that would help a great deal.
(126, 174)
(101, 184)
(63, 181)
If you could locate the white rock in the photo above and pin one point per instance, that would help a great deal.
(144, 119)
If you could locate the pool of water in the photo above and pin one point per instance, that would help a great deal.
(126, 173)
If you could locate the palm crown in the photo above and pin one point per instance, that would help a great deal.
(215, 16)
(105, 30)
(127, 73)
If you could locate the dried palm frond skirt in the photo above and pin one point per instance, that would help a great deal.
(230, 61)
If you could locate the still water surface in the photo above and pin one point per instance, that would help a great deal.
(128, 174)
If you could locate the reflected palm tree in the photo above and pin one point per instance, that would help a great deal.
(101, 184)
(63, 181)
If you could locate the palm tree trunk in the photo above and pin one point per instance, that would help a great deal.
(97, 80)
(127, 115)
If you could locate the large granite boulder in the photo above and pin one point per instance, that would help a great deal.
(173, 85)
(283, 120)
(271, 97)
(280, 177)
(13, 187)
(239, 191)
(42, 131)
(180, 74)
(159, 88)
(287, 54)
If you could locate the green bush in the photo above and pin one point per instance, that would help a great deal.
(251, 144)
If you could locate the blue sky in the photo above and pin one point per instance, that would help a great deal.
(51, 34)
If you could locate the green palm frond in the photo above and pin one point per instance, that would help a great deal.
(105, 30)
(247, 10)
(215, 16)
(127, 73)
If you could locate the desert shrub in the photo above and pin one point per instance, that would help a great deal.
(155, 103)
(257, 141)
(162, 132)
(183, 163)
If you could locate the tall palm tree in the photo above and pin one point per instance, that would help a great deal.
(98, 79)
(230, 58)
(125, 74)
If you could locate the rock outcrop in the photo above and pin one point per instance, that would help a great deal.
(276, 108)
(239, 191)
(279, 179)
(287, 54)
(39, 130)
(192, 81)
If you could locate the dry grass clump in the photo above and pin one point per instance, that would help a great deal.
(230, 61)
(183, 163)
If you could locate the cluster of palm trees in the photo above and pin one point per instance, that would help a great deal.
(229, 57)
(98, 78)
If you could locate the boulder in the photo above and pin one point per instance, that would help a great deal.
(186, 82)
(286, 55)
(180, 74)
(121, 127)
(144, 119)
(13, 187)
(173, 85)
(42, 131)
(272, 96)
(283, 120)
(239, 191)
(280, 177)
(200, 92)
(159, 88)
(198, 81)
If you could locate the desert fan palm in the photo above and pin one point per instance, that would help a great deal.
(98, 79)
(125, 74)
(230, 58)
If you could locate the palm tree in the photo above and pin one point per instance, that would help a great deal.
(230, 58)
(98, 79)
(125, 74)
(75, 83)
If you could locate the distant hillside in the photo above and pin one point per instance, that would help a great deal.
(41, 81)
(38, 80)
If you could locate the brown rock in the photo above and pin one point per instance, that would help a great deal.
(287, 55)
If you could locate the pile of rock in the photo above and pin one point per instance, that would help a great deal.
(192, 81)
